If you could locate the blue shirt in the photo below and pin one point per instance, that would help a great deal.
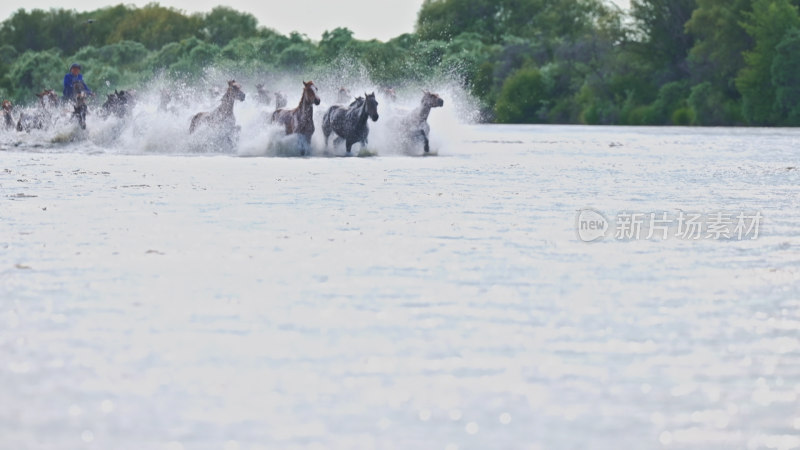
(69, 80)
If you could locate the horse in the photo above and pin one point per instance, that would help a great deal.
(389, 93)
(8, 120)
(350, 123)
(30, 121)
(119, 104)
(344, 95)
(48, 99)
(222, 117)
(280, 100)
(38, 118)
(80, 109)
(415, 125)
(172, 101)
(262, 95)
(301, 119)
(35, 120)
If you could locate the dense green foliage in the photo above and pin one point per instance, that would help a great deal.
(663, 62)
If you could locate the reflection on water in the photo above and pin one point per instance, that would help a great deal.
(172, 302)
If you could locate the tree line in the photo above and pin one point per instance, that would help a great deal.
(661, 62)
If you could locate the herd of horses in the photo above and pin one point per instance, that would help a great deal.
(347, 120)
(49, 109)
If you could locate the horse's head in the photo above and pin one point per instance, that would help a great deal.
(7, 106)
(372, 106)
(432, 100)
(344, 94)
(390, 93)
(358, 102)
(47, 97)
(126, 97)
(310, 93)
(235, 90)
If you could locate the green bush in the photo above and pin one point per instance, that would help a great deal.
(684, 116)
(34, 71)
(523, 98)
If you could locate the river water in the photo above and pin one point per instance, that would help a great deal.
(184, 301)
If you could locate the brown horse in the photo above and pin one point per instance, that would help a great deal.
(48, 99)
(301, 119)
(221, 118)
(8, 120)
(415, 125)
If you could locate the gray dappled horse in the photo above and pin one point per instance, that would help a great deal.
(414, 126)
(350, 123)
(221, 118)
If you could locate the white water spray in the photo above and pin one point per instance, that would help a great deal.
(152, 129)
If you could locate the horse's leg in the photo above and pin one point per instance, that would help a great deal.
(305, 140)
(195, 120)
(425, 141)
(349, 144)
(326, 126)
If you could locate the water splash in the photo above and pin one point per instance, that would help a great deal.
(151, 128)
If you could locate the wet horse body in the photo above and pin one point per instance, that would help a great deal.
(280, 100)
(221, 118)
(300, 120)
(415, 125)
(350, 123)
(42, 116)
(8, 119)
(80, 110)
(118, 104)
(262, 95)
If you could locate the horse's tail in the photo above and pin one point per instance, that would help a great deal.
(327, 126)
(195, 120)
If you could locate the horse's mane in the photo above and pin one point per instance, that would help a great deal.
(357, 101)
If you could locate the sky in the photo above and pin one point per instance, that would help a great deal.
(369, 19)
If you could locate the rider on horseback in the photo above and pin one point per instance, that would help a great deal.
(70, 79)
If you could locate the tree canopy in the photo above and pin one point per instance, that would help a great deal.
(699, 62)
